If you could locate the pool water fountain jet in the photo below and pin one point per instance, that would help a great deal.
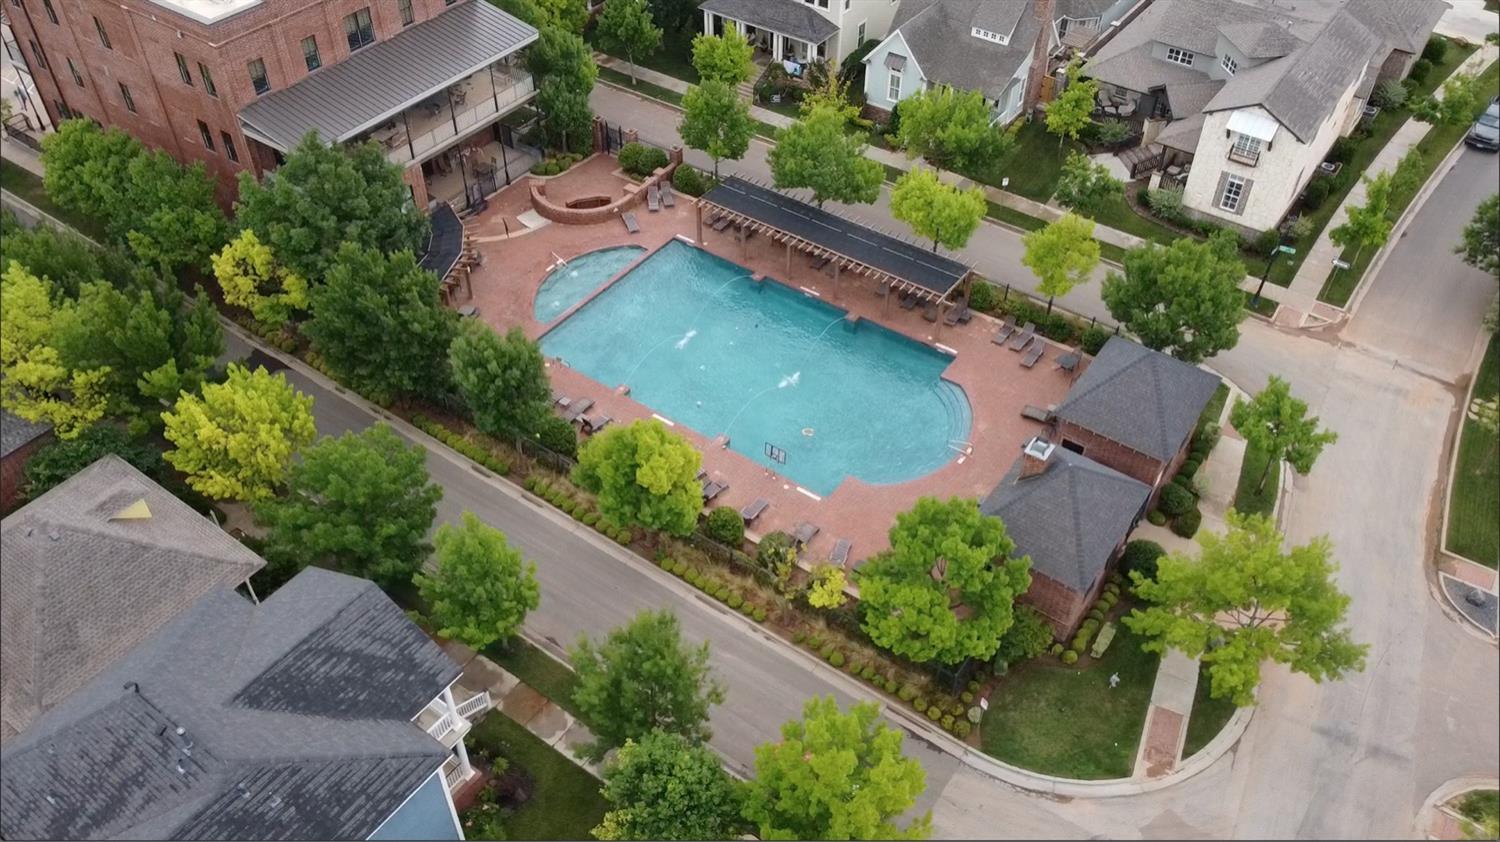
(792, 379)
(683, 340)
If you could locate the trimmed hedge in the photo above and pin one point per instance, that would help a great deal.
(1140, 556)
(1156, 518)
(1070, 657)
(1187, 525)
(691, 180)
(641, 160)
(461, 444)
(1176, 501)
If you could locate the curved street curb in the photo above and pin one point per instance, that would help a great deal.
(1448, 791)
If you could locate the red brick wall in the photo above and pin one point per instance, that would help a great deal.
(1062, 606)
(13, 470)
(144, 36)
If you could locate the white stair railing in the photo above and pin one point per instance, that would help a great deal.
(447, 722)
(474, 705)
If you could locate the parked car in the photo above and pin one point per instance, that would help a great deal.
(1485, 133)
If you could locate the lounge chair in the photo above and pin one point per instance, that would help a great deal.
(595, 424)
(755, 509)
(1033, 412)
(468, 311)
(562, 400)
(723, 223)
(804, 532)
(578, 409)
(668, 198)
(632, 224)
(959, 313)
(1006, 330)
(819, 262)
(908, 300)
(1028, 331)
(840, 554)
(712, 490)
(714, 220)
(1068, 362)
(653, 198)
(702, 473)
(1038, 347)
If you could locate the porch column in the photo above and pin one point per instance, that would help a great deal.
(708, 22)
(448, 700)
(463, 760)
(776, 42)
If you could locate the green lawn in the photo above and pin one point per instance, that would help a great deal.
(1036, 162)
(1014, 218)
(28, 186)
(1434, 148)
(1482, 806)
(543, 672)
(1208, 719)
(675, 58)
(1246, 499)
(1215, 406)
(1473, 525)
(1067, 721)
(1119, 216)
(565, 802)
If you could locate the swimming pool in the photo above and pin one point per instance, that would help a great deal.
(573, 281)
(699, 342)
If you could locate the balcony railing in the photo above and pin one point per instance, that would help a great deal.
(430, 132)
(1248, 157)
(474, 705)
(453, 773)
(445, 723)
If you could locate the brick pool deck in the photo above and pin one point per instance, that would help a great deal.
(997, 387)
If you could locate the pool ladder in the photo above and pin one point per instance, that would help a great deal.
(964, 447)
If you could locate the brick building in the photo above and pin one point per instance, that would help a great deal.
(19, 439)
(236, 83)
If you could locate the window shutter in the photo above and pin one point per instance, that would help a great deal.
(1244, 198)
(1219, 191)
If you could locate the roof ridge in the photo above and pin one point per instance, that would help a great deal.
(1159, 391)
(1077, 517)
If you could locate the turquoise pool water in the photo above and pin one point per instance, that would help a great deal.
(702, 344)
(571, 283)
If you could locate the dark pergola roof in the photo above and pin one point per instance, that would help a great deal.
(854, 246)
(446, 241)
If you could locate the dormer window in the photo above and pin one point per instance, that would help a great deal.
(1229, 64)
(1182, 57)
(987, 35)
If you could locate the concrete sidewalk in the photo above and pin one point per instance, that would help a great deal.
(1167, 718)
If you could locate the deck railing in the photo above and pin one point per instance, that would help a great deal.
(474, 705)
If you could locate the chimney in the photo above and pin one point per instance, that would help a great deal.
(1035, 456)
(1041, 51)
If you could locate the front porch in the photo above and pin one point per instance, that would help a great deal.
(780, 30)
(447, 719)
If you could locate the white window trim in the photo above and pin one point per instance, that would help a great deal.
(1246, 144)
(987, 35)
(893, 86)
(1180, 54)
(1237, 182)
(1229, 64)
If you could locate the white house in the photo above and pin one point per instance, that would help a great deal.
(997, 49)
(801, 30)
(1245, 97)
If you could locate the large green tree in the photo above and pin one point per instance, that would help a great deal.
(128, 334)
(661, 786)
(1071, 111)
(954, 129)
(323, 196)
(565, 66)
(482, 588)
(723, 58)
(1061, 255)
(88, 168)
(643, 474)
(625, 27)
(1368, 224)
(1481, 238)
(570, 16)
(1277, 424)
(946, 589)
(35, 383)
(1085, 186)
(235, 440)
(716, 122)
(361, 501)
(1183, 299)
(937, 211)
(641, 678)
(61, 256)
(817, 153)
(251, 277)
(1463, 96)
(835, 775)
(1245, 600)
(502, 379)
(62, 459)
(379, 322)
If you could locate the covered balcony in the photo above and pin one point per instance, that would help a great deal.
(780, 30)
(416, 94)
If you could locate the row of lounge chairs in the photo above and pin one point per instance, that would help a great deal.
(574, 409)
(659, 195)
(1026, 339)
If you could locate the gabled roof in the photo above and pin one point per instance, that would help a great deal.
(82, 586)
(1260, 39)
(1403, 24)
(1138, 397)
(104, 762)
(789, 17)
(939, 34)
(1069, 518)
(16, 432)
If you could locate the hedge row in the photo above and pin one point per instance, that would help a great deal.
(956, 716)
(460, 443)
(562, 497)
(713, 586)
(273, 334)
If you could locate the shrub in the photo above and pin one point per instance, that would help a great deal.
(1093, 340)
(725, 525)
(934, 713)
(1156, 518)
(1057, 649)
(735, 600)
(641, 160)
(1205, 438)
(1176, 500)
(1435, 51)
(1186, 483)
(814, 641)
(747, 609)
(723, 592)
(947, 722)
(1189, 468)
(919, 703)
(623, 537)
(961, 729)
(853, 667)
(771, 551)
(1187, 525)
(758, 614)
(1267, 241)
(799, 637)
(1070, 657)
(691, 180)
(982, 297)
(1389, 94)
(906, 693)
(1089, 626)
(837, 659)
(1112, 588)
(590, 518)
(1166, 202)
(890, 685)
(966, 697)
(1096, 614)
(1316, 193)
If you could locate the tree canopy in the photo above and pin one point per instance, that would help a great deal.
(937, 211)
(662, 786)
(1368, 224)
(817, 154)
(132, 338)
(482, 588)
(1071, 111)
(379, 322)
(953, 129)
(565, 66)
(503, 380)
(35, 383)
(723, 58)
(945, 589)
(361, 501)
(1062, 255)
(643, 474)
(251, 277)
(716, 122)
(642, 677)
(1183, 299)
(62, 257)
(1462, 98)
(1481, 238)
(570, 16)
(1085, 186)
(235, 440)
(835, 775)
(1277, 424)
(1244, 600)
(323, 196)
(625, 26)
(60, 460)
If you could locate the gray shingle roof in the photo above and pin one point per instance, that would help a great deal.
(1138, 397)
(940, 37)
(16, 433)
(344, 99)
(789, 17)
(1403, 24)
(249, 773)
(81, 588)
(1260, 39)
(1070, 517)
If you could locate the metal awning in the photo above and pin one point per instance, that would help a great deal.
(381, 80)
(895, 62)
(854, 246)
(1253, 123)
